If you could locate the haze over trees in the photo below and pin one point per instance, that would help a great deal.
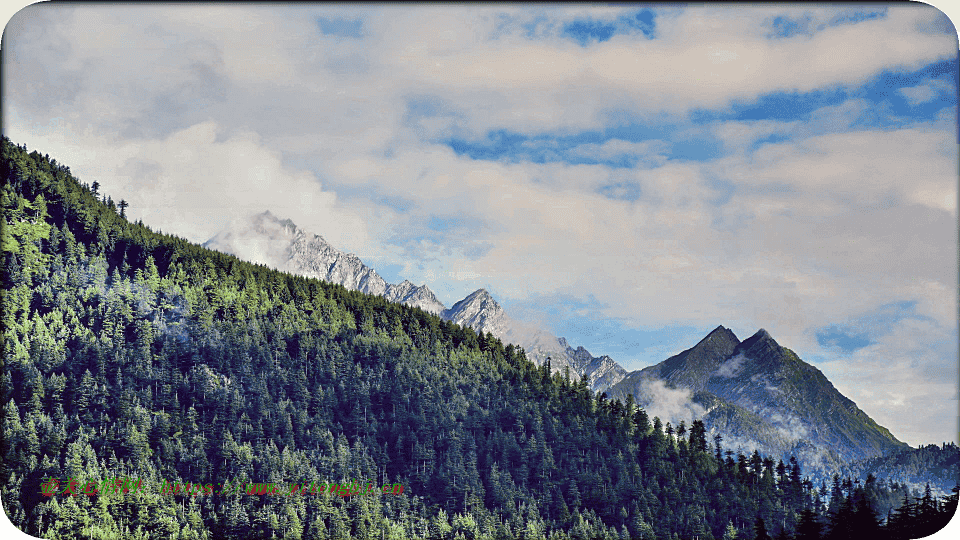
(127, 352)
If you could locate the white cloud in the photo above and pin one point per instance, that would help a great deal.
(925, 92)
(731, 367)
(906, 381)
(193, 185)
(650, 152)
(669, 404)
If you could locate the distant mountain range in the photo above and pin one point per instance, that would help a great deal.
(279, 243)
(756, 393)
(938, 466)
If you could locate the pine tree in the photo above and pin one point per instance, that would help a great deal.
(760, 530)
(730, 533)
(809, 526)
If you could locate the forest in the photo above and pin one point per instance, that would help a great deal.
(132, 353)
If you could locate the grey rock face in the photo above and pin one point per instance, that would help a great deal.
(268, 240)
(760, 395)
(604, 372)
(314, 257)
(481, 312)
(413, 295)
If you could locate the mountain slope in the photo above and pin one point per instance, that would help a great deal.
(759, 394)
(137, 354)
(279, 243)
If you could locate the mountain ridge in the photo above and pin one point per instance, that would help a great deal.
(279, 243)
(759, 394)
(766, 396)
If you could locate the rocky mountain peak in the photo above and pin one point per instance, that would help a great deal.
(762, 347)
(762, 395)
(267, 239)
(480, 295)
(694, 366)
(479, 311)
(412, 295)
(720, 337)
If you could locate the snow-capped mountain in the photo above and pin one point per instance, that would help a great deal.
(481, 312)
(415, 296)
(279, 243)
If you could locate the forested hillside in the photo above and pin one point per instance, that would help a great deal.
(937, 465)
(127, 352)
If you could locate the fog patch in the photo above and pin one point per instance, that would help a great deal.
(669, 404)
(790, 426)
(762, 379)
(731, 367)
(260, 239)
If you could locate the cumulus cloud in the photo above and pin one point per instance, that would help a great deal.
(192, 185)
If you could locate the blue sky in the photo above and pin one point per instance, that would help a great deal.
(629, 177)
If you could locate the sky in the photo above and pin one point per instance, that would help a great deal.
(630, 177)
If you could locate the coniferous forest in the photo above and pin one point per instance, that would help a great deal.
(132, 353)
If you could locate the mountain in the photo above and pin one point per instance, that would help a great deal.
(759, 394)
(755, 392)
(415, 296)
(279, 243)
(481, 312)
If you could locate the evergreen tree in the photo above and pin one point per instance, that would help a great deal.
(760, 530)
(809, 526)
(730, 533)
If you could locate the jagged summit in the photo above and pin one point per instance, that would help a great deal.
(416, 296)
(761, 347)
(718, 330)
(265, 238)
(267, 215)
(761, 395)
(480, 294)
(720, 336)
(694, 366)
(480, 311)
